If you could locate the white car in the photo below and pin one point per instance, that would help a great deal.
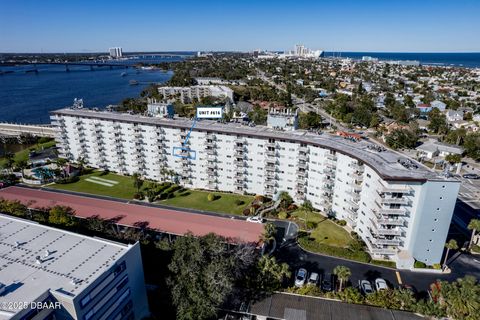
(300, 277)
(366, 287)
(313, 279)
(381, 284)
(255, 219)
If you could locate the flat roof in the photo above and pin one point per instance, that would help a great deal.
(297, 307)
(74, 261)
(171, 221)
(385, 163)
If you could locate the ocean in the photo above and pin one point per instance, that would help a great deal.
(467, 60)
(28, 97)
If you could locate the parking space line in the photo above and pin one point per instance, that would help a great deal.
(399, 279)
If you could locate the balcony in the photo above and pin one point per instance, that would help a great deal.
(386, 188)
(210, 143)
(239, 163)
(391, 242)
(385, 231)
(239, 148)
(303, 157)
(303, 149)
(239, 183)
(271, 153)
(384, 251)
(302, 165)
(302, 174)
(270, 144)
(329, 171)
(357, 167)
(404, 201)
(271, 175)
(352, 204)
(357, 177)
(331, 157)
(392, 222)
(211, 152)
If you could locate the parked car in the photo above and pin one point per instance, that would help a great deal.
(366, 287)
(327, 282)
(255, 219)
(471, 176)
(313, 279)
(300, 277)
(380, 284)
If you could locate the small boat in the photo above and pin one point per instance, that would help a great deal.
(123, 74)
(133, 82)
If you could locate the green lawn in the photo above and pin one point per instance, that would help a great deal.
(194, 199)
(123, 189)
(198, 200)
(23, 154)
(326, 231)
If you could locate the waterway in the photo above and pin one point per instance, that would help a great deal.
(27, 97)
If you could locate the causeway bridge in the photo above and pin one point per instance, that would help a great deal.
(15, 130)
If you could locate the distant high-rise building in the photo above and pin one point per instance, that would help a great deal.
(116, 52)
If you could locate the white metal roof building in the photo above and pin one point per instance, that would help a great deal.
(51, 273)
(387, 198)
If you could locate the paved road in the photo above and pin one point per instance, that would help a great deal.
(461, 265)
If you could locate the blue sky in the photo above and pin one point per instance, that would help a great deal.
(162, 25)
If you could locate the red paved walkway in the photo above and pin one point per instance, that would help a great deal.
(171, 221)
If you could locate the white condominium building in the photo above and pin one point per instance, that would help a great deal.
(401, 209)
(49, 273)
(189, 94)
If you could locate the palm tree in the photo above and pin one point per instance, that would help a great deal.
(137, 181)
(22, 165)
(450, 245)
(474, 225)
(10, 159)
(343, 273)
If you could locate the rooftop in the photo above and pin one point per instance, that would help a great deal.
(164, 220)
(71, 263)
(296, 307)
(386, 162)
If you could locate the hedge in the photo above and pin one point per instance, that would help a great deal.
(346, 253)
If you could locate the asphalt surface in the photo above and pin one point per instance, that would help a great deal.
(460, 263)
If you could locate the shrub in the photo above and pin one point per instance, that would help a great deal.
(419, 264)
(252, 210)
(239, 202)
(68, 180)
(437, 266)
(384, 263)
(138, 196)
(341, 222)
(259, 198)
(246, 211)
(292, 207)
(211, 197)
(283, 215)
(311, 224)
(347, 253)
(104, 172)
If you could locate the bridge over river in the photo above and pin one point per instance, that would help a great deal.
(15, 130)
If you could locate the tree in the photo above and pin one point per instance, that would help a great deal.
(401, 138)
(453, 158)
(61, 215)
(450, 245)
(137, 181)
(14, 207)
(258, 115)
(201, 276)
(459, 299)
(310, 120)
(269, 232)
(10, 160)
(438, 122)
(22, 165)
(350, 295)
(285, 199)
(473, 225)
(269, 274)
(343, 273)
